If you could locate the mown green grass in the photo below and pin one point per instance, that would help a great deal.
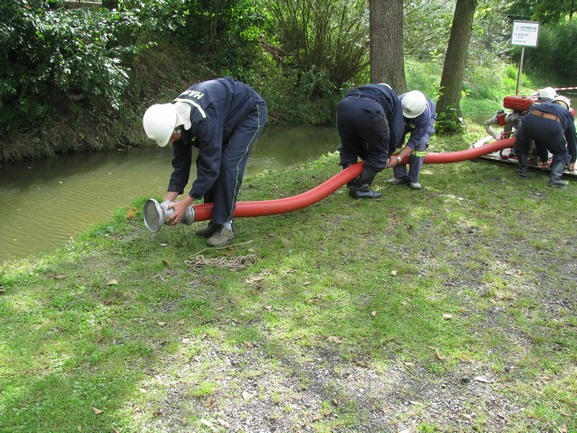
(476, 271)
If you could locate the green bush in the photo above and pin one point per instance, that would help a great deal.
(556, 54)
(53, 60)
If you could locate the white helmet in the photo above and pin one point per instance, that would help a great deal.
(562, 100)
(414, 103)
(548, 93)
(159, 122)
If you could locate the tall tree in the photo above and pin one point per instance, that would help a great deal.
(386, 30)
(448, 105)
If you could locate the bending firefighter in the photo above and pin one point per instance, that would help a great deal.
(551, 126)
(419, 119)
(222, 118)
(370, 126)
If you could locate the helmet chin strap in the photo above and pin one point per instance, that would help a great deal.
(183, 115)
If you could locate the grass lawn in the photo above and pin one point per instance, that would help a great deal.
(449, 309)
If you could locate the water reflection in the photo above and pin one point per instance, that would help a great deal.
(46, 203)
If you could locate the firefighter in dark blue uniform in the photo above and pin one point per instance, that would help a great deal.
(419, 117)
(370, 126)
(222, 118)
(551, 126)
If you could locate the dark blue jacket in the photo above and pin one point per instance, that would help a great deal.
(389, 100)
(217, 108)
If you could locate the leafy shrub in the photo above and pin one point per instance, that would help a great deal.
(53, 59)
(556, 54)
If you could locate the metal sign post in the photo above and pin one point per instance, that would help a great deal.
(525, 34)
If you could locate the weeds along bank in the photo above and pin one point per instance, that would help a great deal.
(162, 72)
(159, 74)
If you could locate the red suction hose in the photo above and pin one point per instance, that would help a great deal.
(203, 212)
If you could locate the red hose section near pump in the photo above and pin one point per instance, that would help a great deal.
(203, 212)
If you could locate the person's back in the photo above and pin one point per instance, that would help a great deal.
(370, 125)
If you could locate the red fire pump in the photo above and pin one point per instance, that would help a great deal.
(509, 120)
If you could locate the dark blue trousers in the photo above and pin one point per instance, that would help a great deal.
(235, 153)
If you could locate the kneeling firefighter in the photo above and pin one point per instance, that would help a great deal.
(370, 126)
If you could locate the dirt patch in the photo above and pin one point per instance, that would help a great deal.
(256, 394)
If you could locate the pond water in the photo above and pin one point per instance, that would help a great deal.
(46, 203)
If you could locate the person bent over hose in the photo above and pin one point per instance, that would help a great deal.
(222, 118)
(370, 127)
(551, 126)
(419, 121)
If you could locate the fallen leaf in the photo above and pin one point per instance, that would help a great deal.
(481, 379)
(97, 411)
(334, 339)
(161, 323)
(394, 273)
(207, 423)
(112, 282)
(437, 353)
(223, 423)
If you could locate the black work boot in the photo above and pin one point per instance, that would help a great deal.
(557, 169)
(523, 164)
(363, 191)
(359, 188)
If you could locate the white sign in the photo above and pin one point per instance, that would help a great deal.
(525, 33)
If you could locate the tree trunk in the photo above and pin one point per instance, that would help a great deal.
(448, 105)
(386, 30)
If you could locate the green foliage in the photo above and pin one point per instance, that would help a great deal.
(556, 54)
(324, 40)
(426, 27)
(449, 122)
(544, 11)
(222, 33)
(424, 76)
(52, 59)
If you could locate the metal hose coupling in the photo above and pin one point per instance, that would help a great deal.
(155, 214)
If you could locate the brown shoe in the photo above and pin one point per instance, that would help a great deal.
(222, 236)
(207, 231)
